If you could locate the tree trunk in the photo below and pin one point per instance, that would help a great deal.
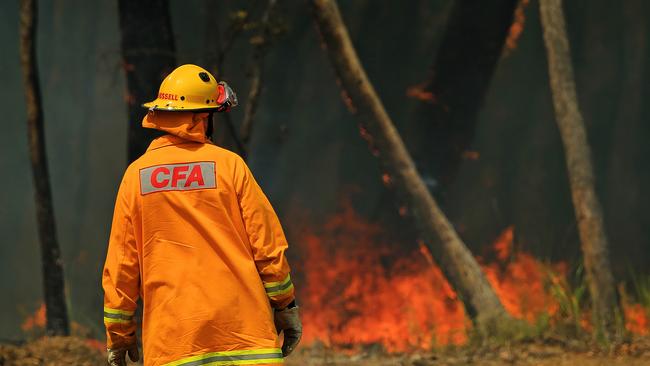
(587, 207)
(457, 83)
(148, 55)
(257, 75)
(455, 260)
(224, 133)
(53, 284)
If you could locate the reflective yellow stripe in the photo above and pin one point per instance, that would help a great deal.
(281, 291)
(279, 287)
(278, 283)
(118, 316)
(242, 357)
(123, 321)
(118, 311)
(236, 362)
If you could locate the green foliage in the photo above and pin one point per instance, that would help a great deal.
(570, 296)
(641, 286)
(573, 321)
(239, 20)
(265, 31)
(508, 331)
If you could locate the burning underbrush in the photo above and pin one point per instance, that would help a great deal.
(368, 300)
(359, 291)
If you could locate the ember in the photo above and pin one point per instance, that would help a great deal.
(418, 92)
(517, 26)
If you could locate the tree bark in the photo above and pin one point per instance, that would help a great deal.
(456, 86)
(53, 283)
(587, 207)
(454, 258)
(148, 55)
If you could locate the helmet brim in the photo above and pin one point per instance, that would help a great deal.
(160, 105)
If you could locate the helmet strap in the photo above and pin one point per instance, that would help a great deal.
(210, 128)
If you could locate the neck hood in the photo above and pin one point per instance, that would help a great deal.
(186, 125)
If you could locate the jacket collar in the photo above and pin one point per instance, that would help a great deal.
(186, 125)
(169, 140)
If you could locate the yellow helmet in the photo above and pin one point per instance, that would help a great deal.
(192, 88)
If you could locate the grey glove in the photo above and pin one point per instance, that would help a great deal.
(288, 321)
(117, 356)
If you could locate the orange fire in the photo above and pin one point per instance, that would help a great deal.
(521, 284)
(636, 319)
(418, 92)
(36, 320)
(351, 297)
(517, 26)
(359, 290)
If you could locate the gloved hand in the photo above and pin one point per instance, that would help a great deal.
(288, 320)
(117, 356)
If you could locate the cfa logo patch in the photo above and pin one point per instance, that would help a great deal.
(178, 177)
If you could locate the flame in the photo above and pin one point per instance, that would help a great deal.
(360, 289)
(418, 92)
(503, 245)
(359, 301)
(636, 319)
(520, 280)
(386, 179)
(517, 26)
(352, 297)
(36, 320)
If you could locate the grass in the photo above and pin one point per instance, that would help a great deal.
(570, 295)
(641, 285)
(573, 321)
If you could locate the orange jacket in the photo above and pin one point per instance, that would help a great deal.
(195, 237)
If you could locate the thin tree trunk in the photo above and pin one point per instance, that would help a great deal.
(148, 54)
(257, 75)
(587, 207)
(250, 108)
(53, 283)
(454, 258)
(225, 39)
(457, 83)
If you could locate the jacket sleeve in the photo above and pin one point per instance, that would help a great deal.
(266, 237)
(121, 277)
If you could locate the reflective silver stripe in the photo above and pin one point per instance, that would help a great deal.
(118, 316)
(178, 177)
(279, 288)
(275, 357)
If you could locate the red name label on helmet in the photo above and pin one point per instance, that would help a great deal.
(178, 177)
(167, 96)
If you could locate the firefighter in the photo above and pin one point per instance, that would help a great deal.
(196, 239)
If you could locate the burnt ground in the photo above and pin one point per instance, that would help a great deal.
(59, 351)
(539, 353)
(53, 351)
